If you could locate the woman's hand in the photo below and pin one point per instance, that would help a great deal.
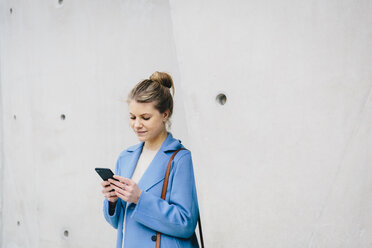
(126, 189)
(111, 196)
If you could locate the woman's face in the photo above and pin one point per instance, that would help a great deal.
(146, 121)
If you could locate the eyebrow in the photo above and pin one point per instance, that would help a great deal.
(141, 114)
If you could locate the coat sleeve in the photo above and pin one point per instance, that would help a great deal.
(113, 220)
(179, 216)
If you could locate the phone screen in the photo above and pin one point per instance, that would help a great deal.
(105, 173)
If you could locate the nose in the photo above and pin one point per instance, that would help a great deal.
(137, 123)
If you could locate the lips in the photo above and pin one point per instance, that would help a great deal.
(141, 132)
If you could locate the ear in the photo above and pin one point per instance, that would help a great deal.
(166, 115)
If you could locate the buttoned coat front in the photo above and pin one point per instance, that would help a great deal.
(175, 217)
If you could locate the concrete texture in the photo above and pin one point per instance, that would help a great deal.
(284, 163)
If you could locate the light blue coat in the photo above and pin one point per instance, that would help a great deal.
(175, 217)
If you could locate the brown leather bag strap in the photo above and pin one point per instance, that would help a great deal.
(166, 179)
(200, 232)
(163, 193)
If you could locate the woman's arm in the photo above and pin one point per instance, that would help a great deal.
(177, 218)
(113, 219)
(112, 210)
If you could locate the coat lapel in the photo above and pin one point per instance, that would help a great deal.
(136, 152)
(156, 170)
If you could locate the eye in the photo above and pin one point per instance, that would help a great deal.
(146, 118)
(132, 117)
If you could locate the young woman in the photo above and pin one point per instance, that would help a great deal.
(133, 205)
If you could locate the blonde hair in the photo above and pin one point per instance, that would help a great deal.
(155, 89)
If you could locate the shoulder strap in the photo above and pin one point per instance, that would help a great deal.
(163, 193)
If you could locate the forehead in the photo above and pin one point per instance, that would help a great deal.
(139, 108)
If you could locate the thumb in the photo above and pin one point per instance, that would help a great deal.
(121, 179)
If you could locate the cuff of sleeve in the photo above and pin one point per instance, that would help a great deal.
(143, 207)
(112, 206)
(107, 208)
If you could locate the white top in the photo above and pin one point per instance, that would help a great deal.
(143, 163)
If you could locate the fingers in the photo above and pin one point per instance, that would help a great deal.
(107, 189)
(124, 180)
(119, 178)
(105, 183)
(117, 189)
(116, 183)
(125, 188)
(110, 194)
(123, 195)
(128, 181)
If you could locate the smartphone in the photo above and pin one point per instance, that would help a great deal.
(105, 173)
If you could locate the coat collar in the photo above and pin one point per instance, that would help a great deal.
(156, 170)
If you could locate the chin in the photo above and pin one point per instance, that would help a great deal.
(142, 138)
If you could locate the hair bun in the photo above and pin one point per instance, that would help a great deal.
(163, 78)
(166, 84)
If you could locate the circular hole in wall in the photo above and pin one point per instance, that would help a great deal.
(60, 2)
(221, 99)
(11, 10)
(63, 117)
(14, 117)
(18, 223)
(65, 233)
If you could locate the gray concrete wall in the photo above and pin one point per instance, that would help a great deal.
(1, 163)
(284, 163)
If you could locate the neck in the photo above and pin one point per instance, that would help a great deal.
(156, 142)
